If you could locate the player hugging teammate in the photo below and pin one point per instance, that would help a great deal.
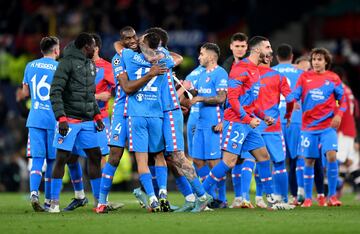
(240, 119)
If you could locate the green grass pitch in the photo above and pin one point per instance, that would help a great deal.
(16, 216)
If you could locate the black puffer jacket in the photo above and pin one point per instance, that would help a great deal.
(72, 92)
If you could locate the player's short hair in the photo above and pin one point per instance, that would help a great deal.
(125, 29)
(164, 36)
(327, 56)
(47, 44)
(302, 58)
(213, 47)
(238, 37)
(83, 39)
(153, 40)
(255, 41)
(98, 41)
(284, 52)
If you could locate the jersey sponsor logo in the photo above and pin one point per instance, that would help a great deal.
(256, 89)
(317, 94)
(116, 61)
(203, 90)
(139, 97)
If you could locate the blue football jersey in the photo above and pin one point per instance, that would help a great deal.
(292, 74)
(193, 77)
(169, 97)
(146, 102)
(118, 66)
(209, 83)
(38, 76)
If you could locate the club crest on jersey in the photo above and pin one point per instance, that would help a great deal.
(234, 145)
(60, 140)
(140, 97)
(116, 61)
(207, 80)
(116, 137)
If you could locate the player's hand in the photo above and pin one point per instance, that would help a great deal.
(269, 120)
(335, 122)
(63, 128)
(184, 110)
(296, 106)
(196, 100)
(156, 70)
(218, 128)
(288, 122)
(103, 96)
(187, 84)
(254, 122)
(99, 125)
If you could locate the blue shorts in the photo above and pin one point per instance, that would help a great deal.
(173, 127)
(82, 135)
(275, 144)
(40, 143)
(145, 134)
(191, 126)
(292, 138)
(118, 131)
(206, 144)
(103, 138)
(315, 144)
(240, 138)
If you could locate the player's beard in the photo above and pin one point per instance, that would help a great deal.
(262, 58)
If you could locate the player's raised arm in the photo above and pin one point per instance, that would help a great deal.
(118, 47)
(177, 58)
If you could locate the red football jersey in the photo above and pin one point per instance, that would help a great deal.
(243, 87)
(347, 126)
(318, 93)
(272, 85)
(104, 83)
